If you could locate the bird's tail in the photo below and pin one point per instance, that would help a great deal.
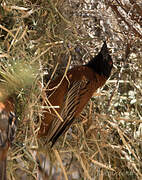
(3, 169)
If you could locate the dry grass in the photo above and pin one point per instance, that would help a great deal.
(42, 36)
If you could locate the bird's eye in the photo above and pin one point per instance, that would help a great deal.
(110, 62)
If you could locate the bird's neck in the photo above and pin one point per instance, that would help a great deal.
(96, 65)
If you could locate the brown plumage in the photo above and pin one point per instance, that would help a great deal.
(73, 92)
(7, 131)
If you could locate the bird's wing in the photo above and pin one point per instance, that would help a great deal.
(71, 102)
(7, 133)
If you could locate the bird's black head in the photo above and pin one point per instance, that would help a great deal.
(102, 63)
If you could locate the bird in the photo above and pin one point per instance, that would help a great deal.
(70, 93)
(7, 132)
